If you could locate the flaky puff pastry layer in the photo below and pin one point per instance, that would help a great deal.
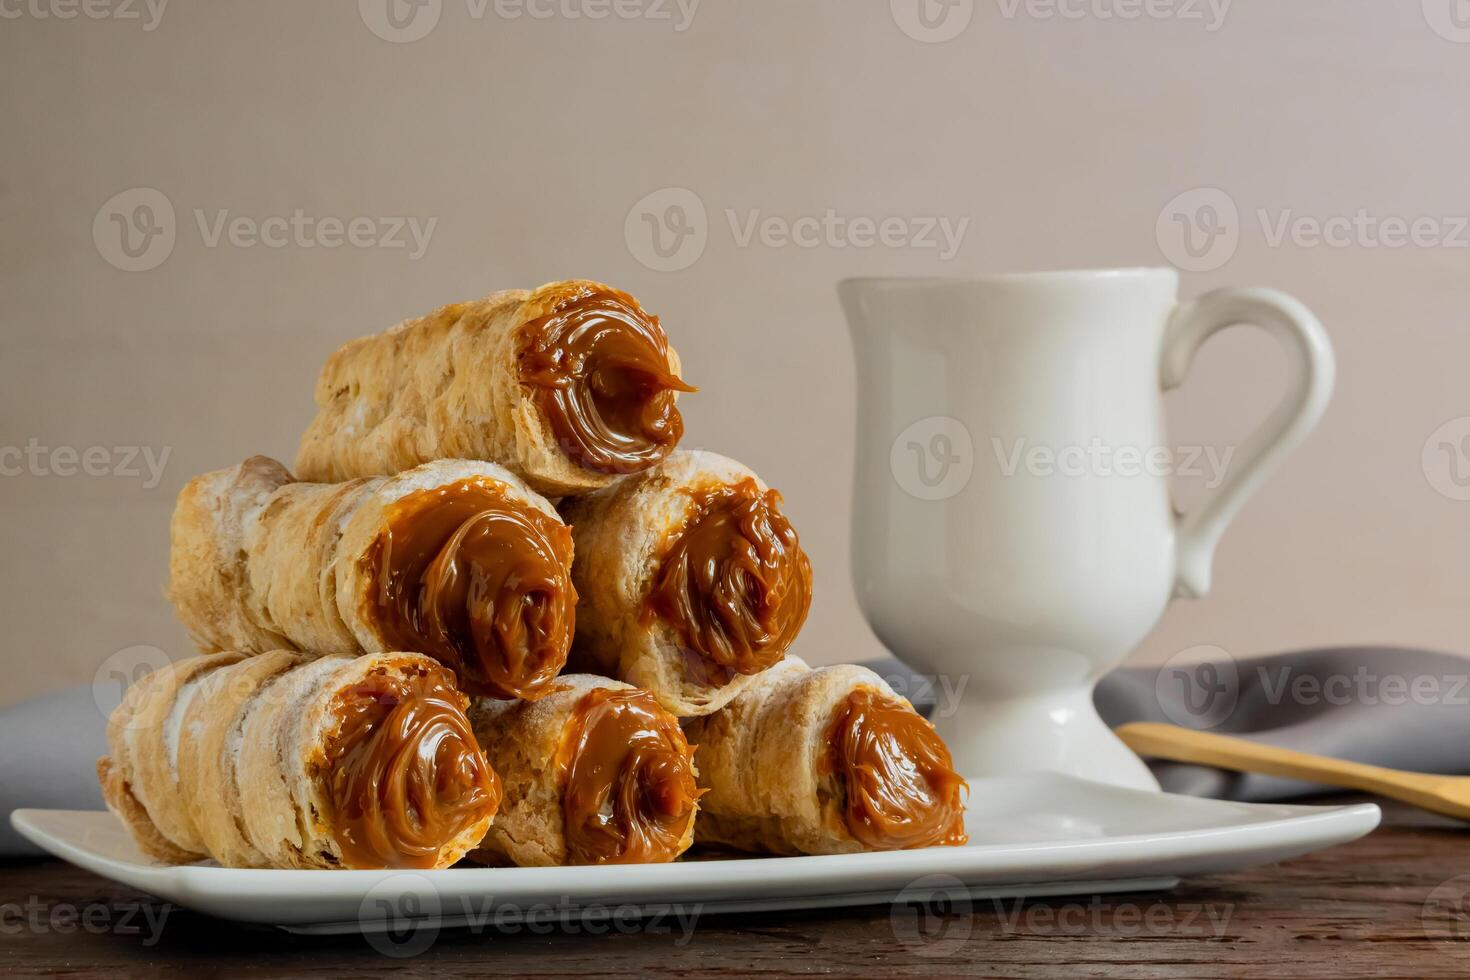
(225, 757)
(260, 561)
(140, 776)
(445, 386)
(766, 761)
(532, 746)
(622, 535)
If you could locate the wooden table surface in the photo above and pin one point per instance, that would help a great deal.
(1395, 904)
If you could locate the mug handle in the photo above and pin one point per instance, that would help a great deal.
(1312, 371)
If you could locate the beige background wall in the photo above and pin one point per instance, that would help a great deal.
(529, 141)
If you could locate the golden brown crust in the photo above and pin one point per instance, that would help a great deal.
(282, 763)
(117, 793)
(140, 778)
(521, 739)
(263, 562)
(208, 573)
(208, 754)
(251, 736)
(443, 386)
(621, 535)
(764, 761)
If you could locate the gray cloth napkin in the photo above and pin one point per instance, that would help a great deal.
(1381, 705)
(1386, 706)
(48, 758)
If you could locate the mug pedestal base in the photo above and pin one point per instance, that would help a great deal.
(1047, 731)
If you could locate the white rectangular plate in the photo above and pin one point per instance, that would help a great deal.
(1041, 834)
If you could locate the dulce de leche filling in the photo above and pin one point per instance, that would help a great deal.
(480, 583)
(630, 789)
(734, 581)
(600, 368)
(405, 776)
(896, 773)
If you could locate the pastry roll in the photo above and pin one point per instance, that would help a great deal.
(279, 761)
(594, 773)
(566, 386)
(455, 559)
(824, 761)
(691, 580)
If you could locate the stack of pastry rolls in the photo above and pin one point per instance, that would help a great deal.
(496, 613)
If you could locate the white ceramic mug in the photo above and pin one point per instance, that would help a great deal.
(1018, 585)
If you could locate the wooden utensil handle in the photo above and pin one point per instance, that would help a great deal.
(1241, 755)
